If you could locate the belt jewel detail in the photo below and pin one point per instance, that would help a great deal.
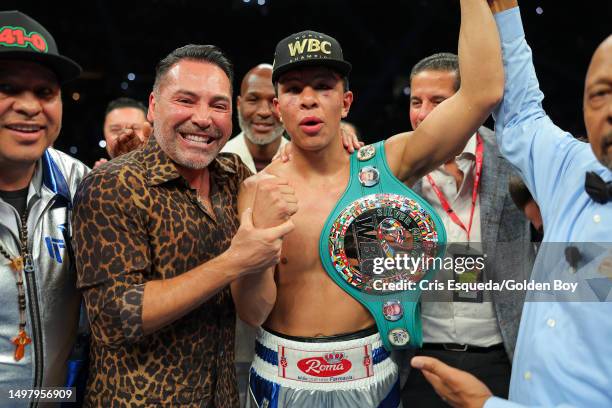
(369, 176)
(393, 310)
(399, 337)
(366, 153)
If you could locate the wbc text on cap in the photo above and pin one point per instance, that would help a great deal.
(308, 48)
(315, 47)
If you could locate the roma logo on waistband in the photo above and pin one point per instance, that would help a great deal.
(330, 365)
(18, 37)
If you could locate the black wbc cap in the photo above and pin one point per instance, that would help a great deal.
(308, 48)
(23, 38)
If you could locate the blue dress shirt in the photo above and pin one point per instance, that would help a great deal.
(563, 356)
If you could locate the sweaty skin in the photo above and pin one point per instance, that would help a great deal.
(297, 297)
(308, 302)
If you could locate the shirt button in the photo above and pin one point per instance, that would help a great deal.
(527, 375)
(551, 322)
(597, 218)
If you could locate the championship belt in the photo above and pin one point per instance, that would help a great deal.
(379, 243)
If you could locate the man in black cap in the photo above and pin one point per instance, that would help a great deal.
(318, 346)
(39, 302)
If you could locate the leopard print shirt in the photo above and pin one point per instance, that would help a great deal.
(136, 220)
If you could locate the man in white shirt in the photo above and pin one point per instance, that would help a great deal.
(474, 330)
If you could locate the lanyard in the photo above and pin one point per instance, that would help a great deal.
(444, 202)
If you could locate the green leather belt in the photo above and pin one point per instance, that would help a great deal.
(378, 244)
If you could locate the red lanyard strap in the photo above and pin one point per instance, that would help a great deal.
(444, 202)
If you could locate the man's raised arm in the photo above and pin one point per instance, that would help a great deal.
(447, 129)
(526, 135)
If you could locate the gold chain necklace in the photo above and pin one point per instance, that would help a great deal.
(17, 265)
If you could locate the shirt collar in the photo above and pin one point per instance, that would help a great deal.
(36, 182)
(48, 173)
(160, 168)
(469, 151)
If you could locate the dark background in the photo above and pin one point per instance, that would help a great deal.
(383, 39)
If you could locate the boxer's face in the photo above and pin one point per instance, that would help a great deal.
(30, 111)
(311, 102)
(428, 89)
(192, 113)
(598, 103)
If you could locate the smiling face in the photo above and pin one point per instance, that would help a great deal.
(256, 114)
(30, 112)
(428, 89)
(311, 102)
(598, 103)
(192, 112)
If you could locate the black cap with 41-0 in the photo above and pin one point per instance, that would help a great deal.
(308, 48)
(23, 38)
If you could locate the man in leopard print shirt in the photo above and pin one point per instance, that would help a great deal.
(153, 242)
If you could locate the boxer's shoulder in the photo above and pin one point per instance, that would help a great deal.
(278, 168)
(394, 150)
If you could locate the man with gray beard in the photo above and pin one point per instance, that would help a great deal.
(262, 130)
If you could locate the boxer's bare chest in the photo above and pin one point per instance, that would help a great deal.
(317, 197)
(300, 277)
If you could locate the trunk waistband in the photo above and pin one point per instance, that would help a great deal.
(360, 361)
(327, 339)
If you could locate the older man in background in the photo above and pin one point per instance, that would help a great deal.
(261, 129)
